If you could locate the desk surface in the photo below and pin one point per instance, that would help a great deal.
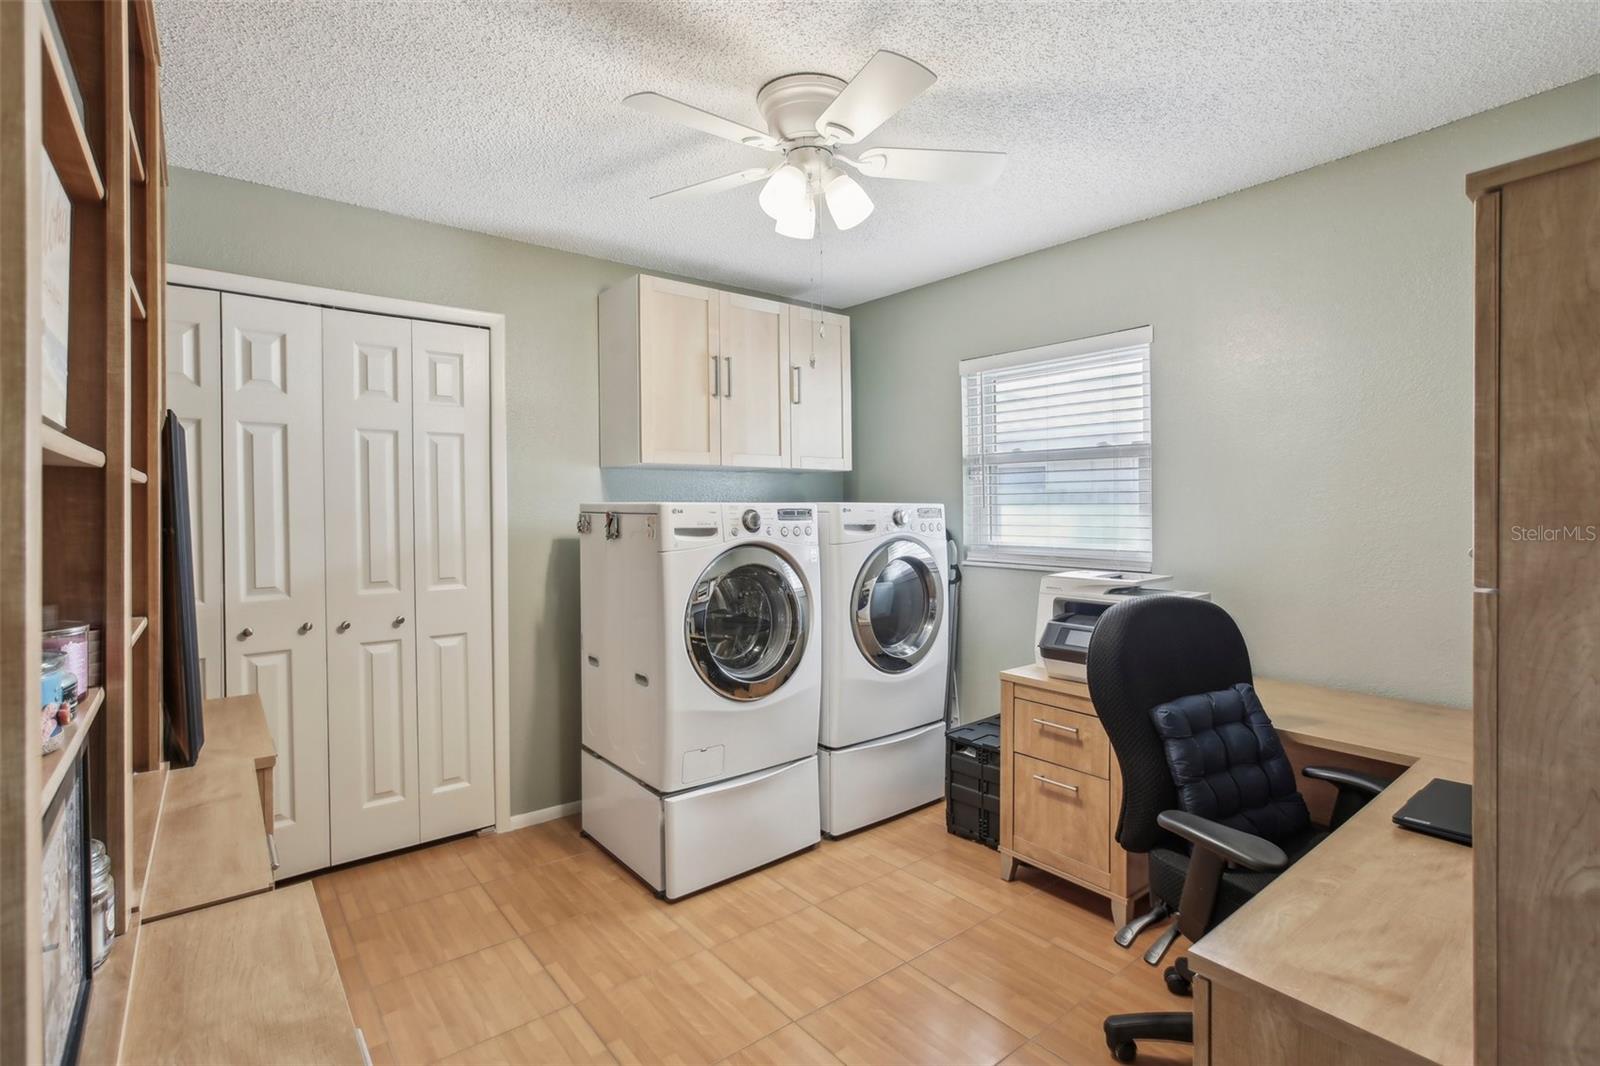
(252, 981)
(1369, 937)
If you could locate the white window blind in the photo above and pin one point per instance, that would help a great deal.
(1056, 454)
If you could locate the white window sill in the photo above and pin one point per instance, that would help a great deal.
(1037, 568)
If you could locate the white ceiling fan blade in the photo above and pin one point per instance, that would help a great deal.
(704, 121)
(930, 164)
(722, 184)
(887, 83)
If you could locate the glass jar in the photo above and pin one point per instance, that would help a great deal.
(72, 640)
(102, 902)
(58, 694)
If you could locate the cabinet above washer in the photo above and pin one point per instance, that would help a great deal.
(693, 376)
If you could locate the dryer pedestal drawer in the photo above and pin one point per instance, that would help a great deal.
(1061, 791)
(869, 782)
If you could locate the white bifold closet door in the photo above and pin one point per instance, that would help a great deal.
(194, 394)
(455, 663)
(339, 481)
(273, 521)
(372, 705)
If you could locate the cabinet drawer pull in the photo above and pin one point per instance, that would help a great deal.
(1052, 781)
(1057, 725)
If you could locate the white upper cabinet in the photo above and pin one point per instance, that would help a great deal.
(819, 390)
(755, 357)
(690, 376)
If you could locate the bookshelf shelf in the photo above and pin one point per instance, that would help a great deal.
(58, 449)
(64, 137)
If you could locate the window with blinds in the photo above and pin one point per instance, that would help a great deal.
(1056, 454)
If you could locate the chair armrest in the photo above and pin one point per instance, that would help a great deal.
(1355, 790)
(1234, 845)
(1364, 784)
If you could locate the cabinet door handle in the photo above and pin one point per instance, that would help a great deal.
(727, 377)
(344, 627)
(306, 627)
(1052, 781)
(246, 633)
(1057, 725)
(716, 376)
(794, 384)
(399, 620)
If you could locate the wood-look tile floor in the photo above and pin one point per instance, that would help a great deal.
(899, 944)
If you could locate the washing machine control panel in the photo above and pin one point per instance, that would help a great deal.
(778, 522)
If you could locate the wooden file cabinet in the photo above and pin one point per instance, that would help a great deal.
(1060, 790)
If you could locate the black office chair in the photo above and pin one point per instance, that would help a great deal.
(1223, 818)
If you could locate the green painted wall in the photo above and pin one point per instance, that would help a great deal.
(1312, 395)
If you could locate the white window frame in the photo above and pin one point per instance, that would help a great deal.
(981, 549)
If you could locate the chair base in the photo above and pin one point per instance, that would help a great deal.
(1123, 1030)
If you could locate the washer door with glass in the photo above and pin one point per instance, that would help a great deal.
(748, 619)
(898, 605)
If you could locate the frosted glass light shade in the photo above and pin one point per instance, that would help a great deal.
(848, 202)
(784, 191)
(800, 222)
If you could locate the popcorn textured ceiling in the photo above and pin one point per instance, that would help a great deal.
(505, 118)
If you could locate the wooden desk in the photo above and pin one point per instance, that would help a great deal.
(237, 726)
(252, 981)
(1362, 951)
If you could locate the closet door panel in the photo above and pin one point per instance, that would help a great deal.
(455, 692)
(372, 714)
(194, 395)
(272, 514)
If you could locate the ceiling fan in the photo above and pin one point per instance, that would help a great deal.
(808, 117)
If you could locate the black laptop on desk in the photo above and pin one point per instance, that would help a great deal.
(1440, 809)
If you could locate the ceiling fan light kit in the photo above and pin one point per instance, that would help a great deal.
(807, 116)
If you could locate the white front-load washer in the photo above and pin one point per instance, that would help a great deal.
(702, 670)
(885, 661)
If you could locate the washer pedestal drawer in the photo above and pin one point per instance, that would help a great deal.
(693, 839)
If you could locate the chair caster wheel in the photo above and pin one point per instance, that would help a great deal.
(1177, 983)
(1126, 1051)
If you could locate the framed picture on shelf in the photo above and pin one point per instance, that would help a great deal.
(55, 290)
(67, 962)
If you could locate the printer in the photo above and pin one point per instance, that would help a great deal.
(1070, 605)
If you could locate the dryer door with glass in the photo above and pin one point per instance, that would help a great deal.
(898, 605)
(748, 621)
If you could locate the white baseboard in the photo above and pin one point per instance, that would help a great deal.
(548, 814)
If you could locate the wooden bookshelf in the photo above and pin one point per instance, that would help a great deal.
(79, 90)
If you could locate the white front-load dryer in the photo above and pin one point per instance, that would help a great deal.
(885, 661)
(702, 664)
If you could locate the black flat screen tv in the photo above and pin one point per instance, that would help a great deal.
(180, 657)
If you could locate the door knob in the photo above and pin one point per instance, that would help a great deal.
(306, 627)
(343, 627)
(246, 633)
(399, 620)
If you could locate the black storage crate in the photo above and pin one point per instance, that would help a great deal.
(972, 781)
